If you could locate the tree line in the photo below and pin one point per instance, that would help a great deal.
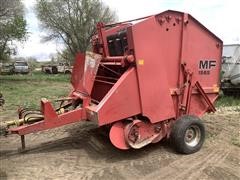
(71, 22)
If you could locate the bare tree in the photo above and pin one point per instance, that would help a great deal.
(72, 21)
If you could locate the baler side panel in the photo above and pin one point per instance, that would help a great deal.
(78, 72)
(122, 100)
(169, 35)
(84, 72)
(169, 25)
(156, 101)
(199, 48)
(90, 70)
(201, 51)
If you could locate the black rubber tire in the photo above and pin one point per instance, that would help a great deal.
(67, 72)
(54, 70)
(179, 130)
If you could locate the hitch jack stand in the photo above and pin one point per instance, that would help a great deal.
(23, 142)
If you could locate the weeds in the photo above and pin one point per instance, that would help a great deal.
(35, 76)
(228, 101)
(236, 140)
(27, 90)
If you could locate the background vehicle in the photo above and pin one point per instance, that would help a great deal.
(58, 68)
(7, 68)
(21, 67)
(230, 81)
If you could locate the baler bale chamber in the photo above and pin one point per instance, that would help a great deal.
(148, 79)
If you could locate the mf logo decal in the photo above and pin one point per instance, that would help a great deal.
(205, 66)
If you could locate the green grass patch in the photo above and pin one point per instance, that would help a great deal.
(35, 76)
(27, 90)
(228, 101)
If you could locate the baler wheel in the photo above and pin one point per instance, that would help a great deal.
(188, 134)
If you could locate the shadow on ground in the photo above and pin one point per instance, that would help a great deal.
(91, 139)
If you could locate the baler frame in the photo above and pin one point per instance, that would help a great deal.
(101, 96)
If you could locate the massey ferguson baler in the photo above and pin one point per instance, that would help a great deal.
(148, 79)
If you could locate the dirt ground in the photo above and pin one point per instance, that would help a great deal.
(82, 151)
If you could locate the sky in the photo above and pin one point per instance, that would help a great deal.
(219, 16)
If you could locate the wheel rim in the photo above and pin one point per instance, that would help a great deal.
(192, 136)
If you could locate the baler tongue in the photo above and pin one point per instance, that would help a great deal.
(70, 109)
(84, 72)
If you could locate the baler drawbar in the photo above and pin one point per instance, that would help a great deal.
(148, 79)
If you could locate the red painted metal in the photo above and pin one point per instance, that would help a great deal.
(84, 72)
(117, 135)
(78, 71)
(138, 133)
(120, 102)
(205, 97)
(51, 119)
(155, 70)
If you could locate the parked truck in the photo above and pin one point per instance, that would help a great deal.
(57, 68)
(230, 81)
(17, 67)
(6, 69)
(21, 67)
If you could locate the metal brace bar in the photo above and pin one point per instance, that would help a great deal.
(205, 97)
